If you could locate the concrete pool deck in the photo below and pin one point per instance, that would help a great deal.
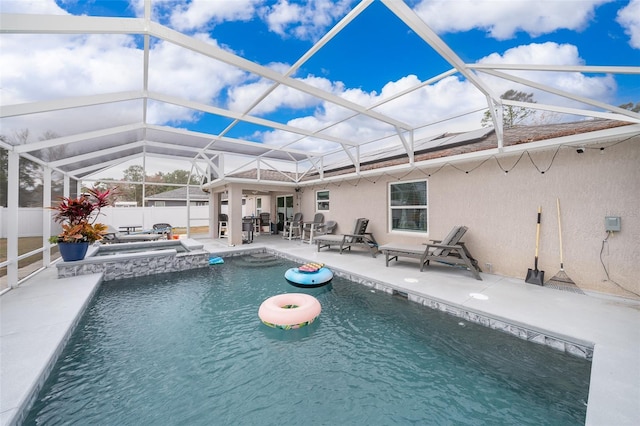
(38, 316)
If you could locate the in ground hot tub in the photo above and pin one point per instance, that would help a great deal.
(127, 260)
(142, 246)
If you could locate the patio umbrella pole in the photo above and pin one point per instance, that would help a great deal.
(561, 280)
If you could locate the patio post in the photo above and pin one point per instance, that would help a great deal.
(235, 214)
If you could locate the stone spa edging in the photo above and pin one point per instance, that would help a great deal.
(131, 265)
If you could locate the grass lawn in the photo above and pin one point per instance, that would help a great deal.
(194, 230)
(25, 245)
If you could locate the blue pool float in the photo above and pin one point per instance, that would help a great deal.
(309, 275)
(216, 261)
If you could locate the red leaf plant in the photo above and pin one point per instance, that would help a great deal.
(78, 216)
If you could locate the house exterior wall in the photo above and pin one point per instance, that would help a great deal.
(500, 210)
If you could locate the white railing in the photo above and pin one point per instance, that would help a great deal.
(30, 219)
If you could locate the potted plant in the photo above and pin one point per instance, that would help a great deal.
(78, 219)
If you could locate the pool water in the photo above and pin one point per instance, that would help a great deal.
(188, 349)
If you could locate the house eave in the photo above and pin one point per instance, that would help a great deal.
(575, 141)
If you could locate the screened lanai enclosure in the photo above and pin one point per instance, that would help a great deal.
(234, 93)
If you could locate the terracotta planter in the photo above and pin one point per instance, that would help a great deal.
(71, 252)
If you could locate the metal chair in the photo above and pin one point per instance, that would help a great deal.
(164, 229)
(265, 220)
(308, 228)
(293, 228)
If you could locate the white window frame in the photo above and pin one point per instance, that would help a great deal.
(328, 200)
(395, 208)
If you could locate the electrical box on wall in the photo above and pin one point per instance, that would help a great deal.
(612, 223)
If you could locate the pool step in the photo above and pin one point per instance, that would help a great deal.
(259, 260)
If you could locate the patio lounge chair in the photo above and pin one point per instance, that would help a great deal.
(450, 251)
(163, 229)
(308, 228)
(329, 227)
(359, 237)
(115, 236)
(293, 228)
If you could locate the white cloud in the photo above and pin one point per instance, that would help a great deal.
(502, 19)
(602, 88)
(425, 105)
(448, 98)
(202, 80)
(242, 96)
(58, 67)
(304, 20)
(629, 18)
(64, 66)
(71, 65)
(42, 7)
(197, 14)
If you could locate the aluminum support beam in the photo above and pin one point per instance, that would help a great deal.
(13, 193)
(46, 216)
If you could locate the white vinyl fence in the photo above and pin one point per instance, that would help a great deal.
(30, 219)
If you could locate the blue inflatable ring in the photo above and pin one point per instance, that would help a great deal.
(309, 279)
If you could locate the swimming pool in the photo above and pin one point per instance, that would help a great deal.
(188, 348)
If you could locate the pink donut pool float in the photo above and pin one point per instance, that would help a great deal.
(289, 311)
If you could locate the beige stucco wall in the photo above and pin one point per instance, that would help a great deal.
(501, 209)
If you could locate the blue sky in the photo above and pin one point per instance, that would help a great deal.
(374, 57)
(378, 36)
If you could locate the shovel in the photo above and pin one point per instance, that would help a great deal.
(534, 276)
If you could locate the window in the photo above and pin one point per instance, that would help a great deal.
(322, 200)
(408, 206)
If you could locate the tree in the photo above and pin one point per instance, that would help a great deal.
(135, 173)
(631, 107)
(174, 177)
(177, 176)
(133, 191)
(511, 115)
(29, 174)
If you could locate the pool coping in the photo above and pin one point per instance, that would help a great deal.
(65, 302)
(570, 345)
(612, 370)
